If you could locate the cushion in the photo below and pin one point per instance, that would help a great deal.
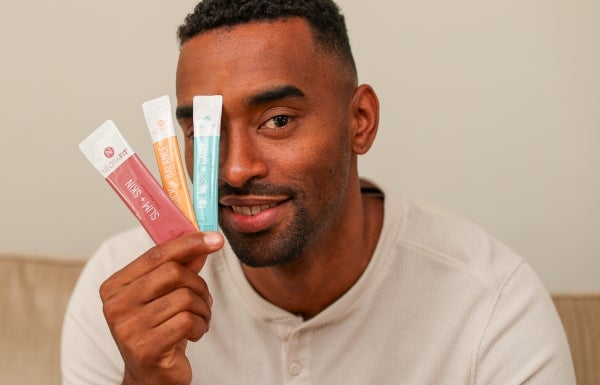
(580, 314)
(33, 295)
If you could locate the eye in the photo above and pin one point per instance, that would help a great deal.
(277, 122)
(188, 131)
(187, 127)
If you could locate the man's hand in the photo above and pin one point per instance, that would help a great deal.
(156, 304)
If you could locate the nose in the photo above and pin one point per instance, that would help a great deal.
(240, 158)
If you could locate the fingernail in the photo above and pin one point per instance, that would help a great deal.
(212, 239)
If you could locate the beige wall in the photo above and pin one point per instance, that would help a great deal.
(490, 109)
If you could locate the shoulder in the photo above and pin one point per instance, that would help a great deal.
(457, 270)
(439, 237)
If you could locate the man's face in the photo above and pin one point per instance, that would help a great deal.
(285, 154)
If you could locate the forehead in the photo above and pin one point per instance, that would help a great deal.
(247, 58)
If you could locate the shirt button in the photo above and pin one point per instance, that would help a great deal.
(295, 368)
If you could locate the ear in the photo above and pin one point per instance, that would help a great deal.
(364, 115)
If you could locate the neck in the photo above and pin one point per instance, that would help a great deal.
(330, 265)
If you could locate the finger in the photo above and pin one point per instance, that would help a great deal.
(189, 248)
(158, 283)
(184, 250)
(168, 306)
(165, 279)
(182, 326)
(213, 239)
(150, 346)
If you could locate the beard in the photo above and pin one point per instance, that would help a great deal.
(267, 248)
(276, 247)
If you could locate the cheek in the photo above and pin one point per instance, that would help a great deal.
(332, 162)
(314, 164)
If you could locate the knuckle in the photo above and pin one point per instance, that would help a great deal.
(172, 271)
(186, 320)
(105, 290)
(127, 333)
(111, 308)
(155, 255)
(195, 327)
(140, 282)
(187, 298)
(162, 305)
(107, 310)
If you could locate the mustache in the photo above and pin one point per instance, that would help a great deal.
(258, 189)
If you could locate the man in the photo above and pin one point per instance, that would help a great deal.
(321, 280)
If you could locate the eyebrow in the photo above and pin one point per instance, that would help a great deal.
(184, 112)
(274, 94)
(264, 97)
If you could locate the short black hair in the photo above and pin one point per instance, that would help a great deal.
(323, 16)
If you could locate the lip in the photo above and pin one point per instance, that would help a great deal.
(253, 214)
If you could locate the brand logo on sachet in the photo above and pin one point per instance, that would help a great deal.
(160, 123)
(109, 152)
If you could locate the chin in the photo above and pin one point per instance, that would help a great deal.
(257, 250)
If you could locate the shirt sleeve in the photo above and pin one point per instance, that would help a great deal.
(524, 341)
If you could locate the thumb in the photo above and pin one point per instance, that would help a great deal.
(214, 241)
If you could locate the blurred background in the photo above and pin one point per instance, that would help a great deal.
(488, 109)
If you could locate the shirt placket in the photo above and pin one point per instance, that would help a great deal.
(296, 356)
